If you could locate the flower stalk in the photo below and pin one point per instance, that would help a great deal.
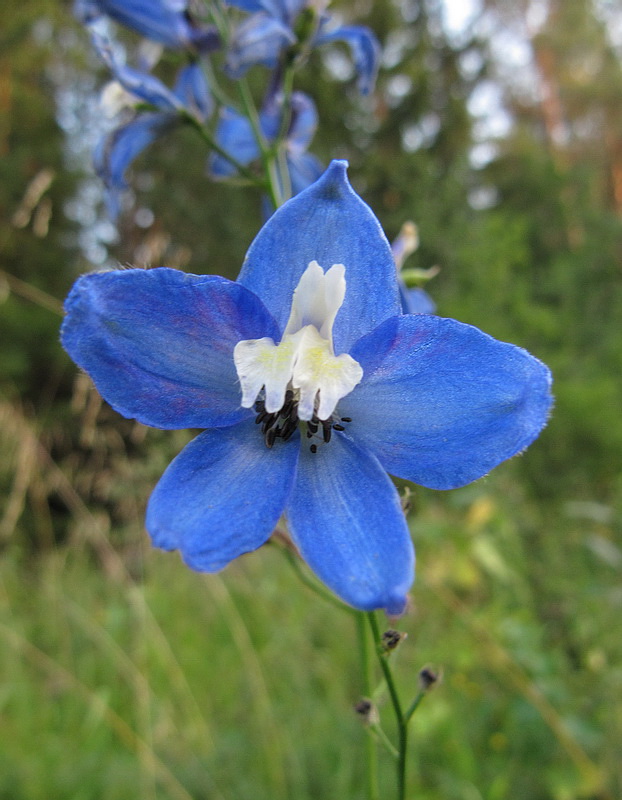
(400, 719)
(371, 761)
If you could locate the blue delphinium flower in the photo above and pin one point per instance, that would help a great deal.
(117, 149)
(271, 28)
(311, 385)
(166, 21)
(236, 137)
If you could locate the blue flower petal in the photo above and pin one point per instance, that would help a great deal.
(257, 40)
(303, 123)
(192, 89)
(164, 21)
(416, 301)
(158, 343)
(142, 85)
(328, 223)
(345, 517)
(222, 496)
(116, 151)
(285, 10)
(442, 403)
(247, 5)
(235, 135)
(365, 50)
(304, 170)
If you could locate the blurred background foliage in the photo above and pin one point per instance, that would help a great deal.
(125, 675)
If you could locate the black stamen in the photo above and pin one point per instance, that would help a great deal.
(326, 430)
(288, 430)
(282, 424)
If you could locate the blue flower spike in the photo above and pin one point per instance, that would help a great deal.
(274, 25)
(119, 147)
(310, 385)
(236, 136)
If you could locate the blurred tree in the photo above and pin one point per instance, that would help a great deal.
(554, 232)
(35, 243)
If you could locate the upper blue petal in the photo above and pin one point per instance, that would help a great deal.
(328, 223)
(365, 50)
(257, 40)
(442, 403)
(345, 517)
(235, 135)
(116, 151)
(285, 10)
(247, 5)
(164, 21)
(416, 301)
(140, 84)
(304, 170)
(222, 496)
(304, 120)
(192, 89)
(158, 343)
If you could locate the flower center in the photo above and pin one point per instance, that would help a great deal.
(301, 378)
(283, 423)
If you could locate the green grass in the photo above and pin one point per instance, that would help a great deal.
(125, 675)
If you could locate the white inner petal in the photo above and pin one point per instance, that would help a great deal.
(304, 360)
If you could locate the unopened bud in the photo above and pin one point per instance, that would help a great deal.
(306, 24)
(367, 711)
(405, 499)
(391, 639)
(427, 678)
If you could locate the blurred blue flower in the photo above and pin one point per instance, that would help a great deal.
(236, 136)
(311, 385)
(273, 27)
(414, 300)
(116, 151)
(166, 21)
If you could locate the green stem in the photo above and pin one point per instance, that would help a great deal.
(384, 740)
(280, 145)
(402, 727)
(267, 153)
(367, 675)
(311, 583)
(414, 706)
(216, 89)
(218, 15)
(213, 144)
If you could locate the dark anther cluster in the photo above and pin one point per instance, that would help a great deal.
(282, 424)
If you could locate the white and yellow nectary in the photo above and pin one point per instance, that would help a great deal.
(304, 360)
